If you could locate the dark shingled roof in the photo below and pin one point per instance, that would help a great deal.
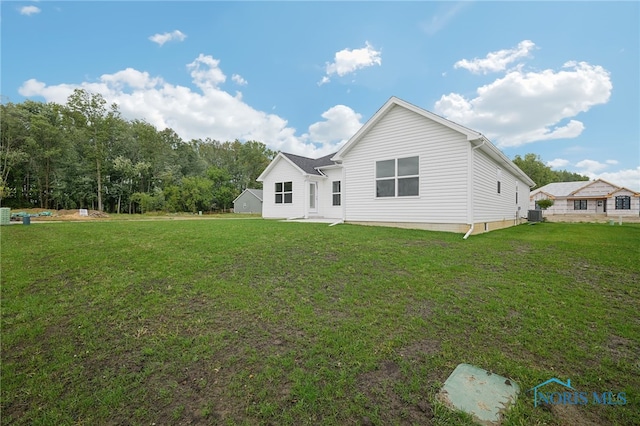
(308, 165)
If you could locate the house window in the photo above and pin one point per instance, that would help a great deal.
(398, 177)
(579, 204)
(623, 202)
(336, 192)
(284, 192)
(498, 178)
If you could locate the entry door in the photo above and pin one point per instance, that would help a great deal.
(600, 206)
(313, 197)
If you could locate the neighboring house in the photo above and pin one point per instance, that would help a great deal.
(588, 197)
(250, 201)
(405, 167)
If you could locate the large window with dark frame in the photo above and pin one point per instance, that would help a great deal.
(336, 192)
(623, 202)
(284, 192)
(579, 204)
(398, 177)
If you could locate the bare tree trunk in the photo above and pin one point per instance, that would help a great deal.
(46, 183)
(99, 183)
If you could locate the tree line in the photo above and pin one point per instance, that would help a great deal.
(83, 154)
(542, 174)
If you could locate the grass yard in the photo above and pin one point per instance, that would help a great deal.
(263, 322)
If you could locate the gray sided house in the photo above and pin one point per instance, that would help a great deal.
(406, 167)
(250, 201)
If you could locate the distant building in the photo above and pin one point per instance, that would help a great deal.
(588, 197)
(250, 201)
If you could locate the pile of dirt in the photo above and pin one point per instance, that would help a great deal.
(75, 214)
(58, 215)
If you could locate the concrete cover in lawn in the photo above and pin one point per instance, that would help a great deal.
(480, 393)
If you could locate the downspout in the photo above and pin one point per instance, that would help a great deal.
(470, 216)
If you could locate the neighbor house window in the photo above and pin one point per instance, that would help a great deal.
(623, 202)
(398, 177)
(579, 204)
(336, 192)
(284, 192)
(498, 178)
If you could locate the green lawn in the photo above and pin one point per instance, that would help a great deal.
(263, 322)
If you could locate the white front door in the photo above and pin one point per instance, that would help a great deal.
(313, 197)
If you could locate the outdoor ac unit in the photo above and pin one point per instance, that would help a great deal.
(535, 216)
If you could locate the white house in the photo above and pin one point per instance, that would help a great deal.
(405, 167)
(589, 197)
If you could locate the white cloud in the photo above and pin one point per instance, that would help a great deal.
(239, 80)
(629, 178)
(524, 107)
(496, 61)
(29, 10)
(557, 163)
(348, 61)
(163, 38)
(208, 112)
(206, 73)
(341, 122)
(590, 166)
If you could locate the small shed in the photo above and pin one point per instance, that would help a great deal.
(250, 201)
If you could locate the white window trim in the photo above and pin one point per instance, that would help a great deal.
(336, 193)
(283, 192)
(395, 178)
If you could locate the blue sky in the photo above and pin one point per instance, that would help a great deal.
(559, 79)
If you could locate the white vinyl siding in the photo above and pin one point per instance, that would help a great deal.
(489, 204)
(442, 154)
(283, 172)
(325, 194)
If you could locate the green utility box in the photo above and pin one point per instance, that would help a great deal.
(5, 216)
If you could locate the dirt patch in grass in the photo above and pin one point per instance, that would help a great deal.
(240, 369)
(379, 387)
(622, 349)
(390, 400)
(417, 350)
(570, 415)
(426, 243)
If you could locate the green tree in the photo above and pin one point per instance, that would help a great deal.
(196, 193)
(542, 174)
(94, 124)
(48, 147)
(544, 203)
(14, 131)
